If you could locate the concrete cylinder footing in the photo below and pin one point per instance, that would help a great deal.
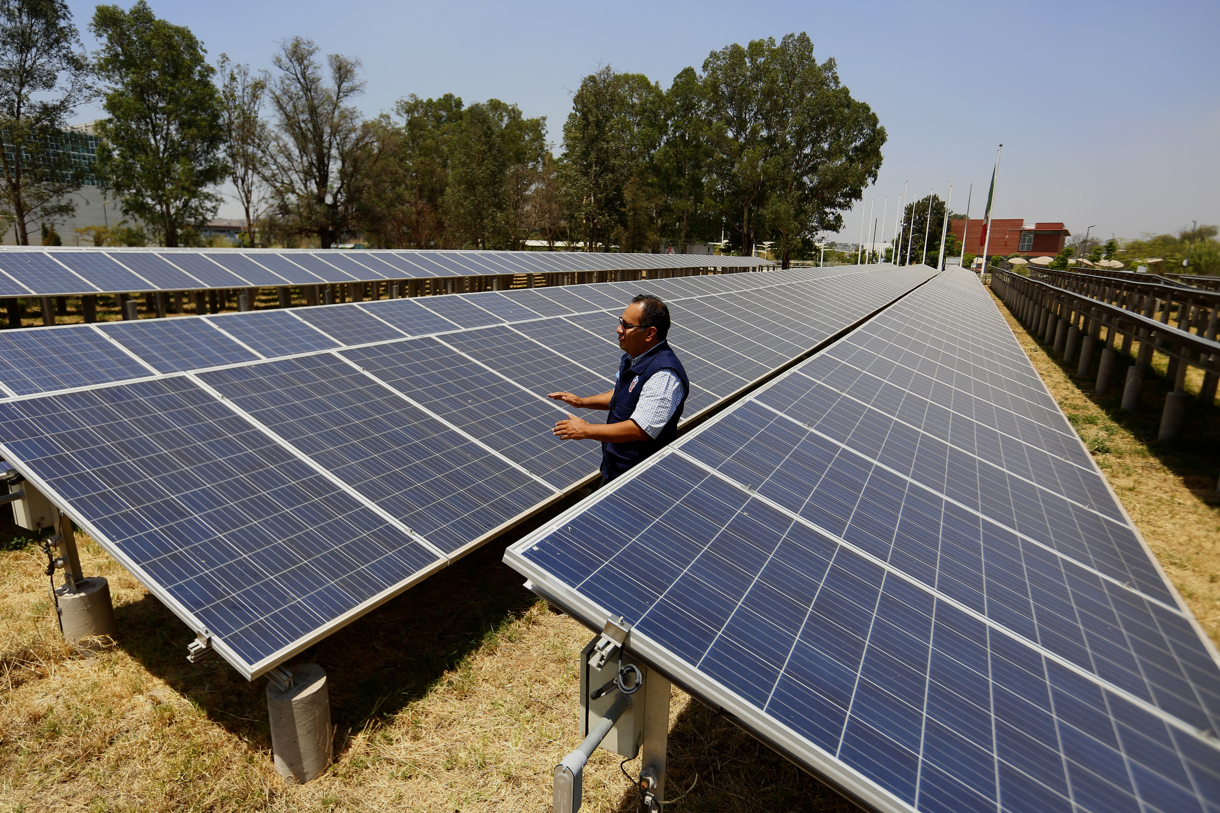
(1086, 357)
(1105, 370)
(1070, 345)
(301, 735)
(1207, 392)
(1131, 392)
(87, 616)
(1174, 415)
(1060, 335)
(243, 301)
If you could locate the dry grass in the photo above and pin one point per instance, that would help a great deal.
(458, 696)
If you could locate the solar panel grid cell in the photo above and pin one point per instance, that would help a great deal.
(175, 345)
(42, 275)
(460, 311)
(486, 406)
(408, 316)
(292, 268)
(45, 360)
(199, 267)
(157, 271)
(272, 334)
(104, 273)
(255, 273)
(349, 325)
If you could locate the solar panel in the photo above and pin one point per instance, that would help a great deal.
(358, 270)
(272, 334)
(408, 316)
(348, 324)
(254, 273)
(508, 310)
(565, 338)
(904, 615)
(245, 541)
(459, 310)
(160, 273)
(484, 405)
(174, 345)
(10, 286)
(42, 275)
(103, 272)
(50, 359)
(203, 269)
(439, 484)
(285, 270)
(535, 301)
(537, 368)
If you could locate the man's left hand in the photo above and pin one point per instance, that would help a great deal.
(573, 428)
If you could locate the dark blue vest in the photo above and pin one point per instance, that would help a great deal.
(618, 457)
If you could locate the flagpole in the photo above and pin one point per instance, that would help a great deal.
(944, 230)
(966, 227)
(862, 222)
(872, 207)
(927, 229)
(987, 214)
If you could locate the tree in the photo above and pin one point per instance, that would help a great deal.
(495, 159)
(245, 133)
(162, 146)
(1110, 249)
(545, 203)
(321, 149)
(680, 163)
(44, 77)
(606, 137)
(915, 226)
(1060, 262)
(792, 149)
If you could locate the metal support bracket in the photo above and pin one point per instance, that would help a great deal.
(614, 637)
(197, 649)
(281, 678)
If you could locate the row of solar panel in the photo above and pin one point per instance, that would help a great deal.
(899, 558)
(48, 359)
(67, 272)
(269, 501)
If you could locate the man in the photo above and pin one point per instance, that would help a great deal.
(646, 402)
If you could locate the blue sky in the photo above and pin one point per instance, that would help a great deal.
(1105, 109)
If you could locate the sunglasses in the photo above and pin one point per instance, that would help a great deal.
(627, 325)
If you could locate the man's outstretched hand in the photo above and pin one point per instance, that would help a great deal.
(568, 398)
(573, 428)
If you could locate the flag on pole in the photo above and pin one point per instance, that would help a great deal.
(987, 211)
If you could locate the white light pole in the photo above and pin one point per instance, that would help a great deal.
(862, 222)
(944, 229)
(927, 229)
(884, 209)
(901, 214)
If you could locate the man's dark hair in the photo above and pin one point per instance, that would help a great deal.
(656, 314)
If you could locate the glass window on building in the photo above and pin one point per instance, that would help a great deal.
(1027, 241)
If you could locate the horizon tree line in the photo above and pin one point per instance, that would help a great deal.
(763, 144)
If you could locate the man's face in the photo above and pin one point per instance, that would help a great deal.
(632, 339)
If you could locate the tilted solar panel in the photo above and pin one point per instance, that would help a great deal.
(851, 565)
(221, 522)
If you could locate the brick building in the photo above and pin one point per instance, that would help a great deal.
(1012, 237)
